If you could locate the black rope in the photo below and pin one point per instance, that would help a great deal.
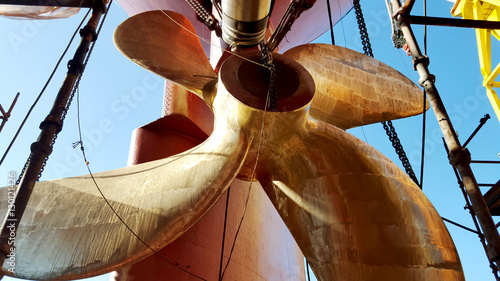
(224, 236)
(238, 229)
(389, 128)
(39, 96)
(424, 114)
(331, 22)
(424, 111)
(307, 270)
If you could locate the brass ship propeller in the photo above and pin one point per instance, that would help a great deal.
(354, 213)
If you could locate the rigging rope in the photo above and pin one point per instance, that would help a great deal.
(224, 236)
(389, 128)
(307, 270)
(424, 111)
(260, 145)
(331, 22)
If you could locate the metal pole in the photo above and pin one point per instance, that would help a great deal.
(57, 3)
(52, 124)
(6, 115)
(408, 5)
(485, 161)
(466, 23)
(459, 157)
(481, 124)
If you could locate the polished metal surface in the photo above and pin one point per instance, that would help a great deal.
(165, 43)
(244, 22)
(354, 213)
(246, 10)
(68, 231)
(353, 89)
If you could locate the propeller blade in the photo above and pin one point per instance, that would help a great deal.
(354, 213)
(69, 232)
(353, 89)
(167, 48)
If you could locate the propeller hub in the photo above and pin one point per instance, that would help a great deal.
(248, 81)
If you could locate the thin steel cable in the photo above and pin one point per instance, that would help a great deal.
(424, 111)
(307, 270)
(331, 22)
(80, 142)
(224, 235)
(41, 93)
(202, 39)
(259, 149)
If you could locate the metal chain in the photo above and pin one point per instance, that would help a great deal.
(367, 47)
(389, 128)
(208, 19)
(65, 111)
(198, 8)
(24, 169)
(267, 60)
(393, 137)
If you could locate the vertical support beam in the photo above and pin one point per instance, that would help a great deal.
(459, 157)
(494, 100)
(52, 125)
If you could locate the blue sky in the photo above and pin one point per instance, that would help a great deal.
(117, 96)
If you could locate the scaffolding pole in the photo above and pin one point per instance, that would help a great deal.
(459, 157)
(50, 127)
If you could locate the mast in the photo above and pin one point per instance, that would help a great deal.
(459, 156)
(50, 127)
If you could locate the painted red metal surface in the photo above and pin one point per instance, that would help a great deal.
(264, 249)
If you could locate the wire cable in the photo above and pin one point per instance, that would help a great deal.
(424, 111)
(331, 22)
(307, 270)
(259, 149)
(80, 142)
(224, 235)
(43, 89)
